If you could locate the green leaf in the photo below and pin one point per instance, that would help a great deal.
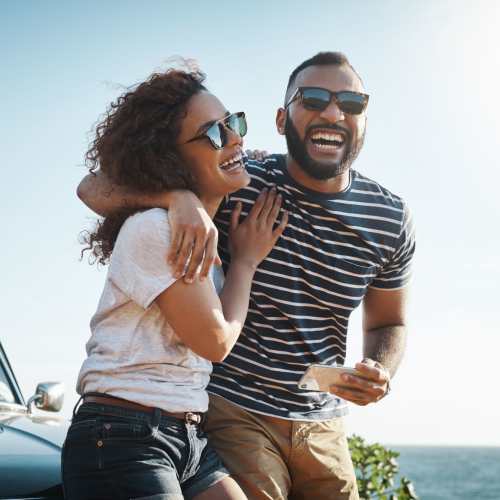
(375, 467)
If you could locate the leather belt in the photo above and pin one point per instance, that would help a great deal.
(189, 417)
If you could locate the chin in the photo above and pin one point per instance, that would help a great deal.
(243, 181)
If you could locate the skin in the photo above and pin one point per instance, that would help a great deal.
(212, 182)
(384, 311)
(221, 317)
(334, 78)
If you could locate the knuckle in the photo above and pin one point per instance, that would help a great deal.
(183, 252)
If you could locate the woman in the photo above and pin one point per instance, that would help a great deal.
(137, 433)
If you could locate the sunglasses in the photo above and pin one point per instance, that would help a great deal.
(217, 131)
(318, 99)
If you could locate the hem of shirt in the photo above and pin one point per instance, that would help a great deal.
(342, 411)
(136, 398)
(390, 289)
(157, 292)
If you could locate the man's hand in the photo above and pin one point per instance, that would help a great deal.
(371, 388)
(256, 154)
(194, 236)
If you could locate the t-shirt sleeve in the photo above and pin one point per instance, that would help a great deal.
(139, 266)
(397, 272)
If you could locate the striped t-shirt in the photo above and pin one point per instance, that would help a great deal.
(333, 248)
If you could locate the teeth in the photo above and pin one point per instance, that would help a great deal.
(236, 158)
(327, 136)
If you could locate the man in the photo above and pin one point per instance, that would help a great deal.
(348, 240)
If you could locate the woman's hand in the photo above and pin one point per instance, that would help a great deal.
(194, 236)
(253, 239)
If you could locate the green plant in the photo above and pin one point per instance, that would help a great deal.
(375, 468)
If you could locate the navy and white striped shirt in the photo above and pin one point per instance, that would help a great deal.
(333, 248)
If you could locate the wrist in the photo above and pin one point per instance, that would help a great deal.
(244, 264)
(176, 196)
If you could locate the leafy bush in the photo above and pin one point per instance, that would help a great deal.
(375, 468)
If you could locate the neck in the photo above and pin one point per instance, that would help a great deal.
(334, 185)
(210, 204)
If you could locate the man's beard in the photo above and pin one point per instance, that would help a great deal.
(315, 169)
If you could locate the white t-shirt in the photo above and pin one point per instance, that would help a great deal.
(133, 353)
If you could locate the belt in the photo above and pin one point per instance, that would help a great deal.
(189, 417)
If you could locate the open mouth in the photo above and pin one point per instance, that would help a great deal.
(232, 163)
(328, 140)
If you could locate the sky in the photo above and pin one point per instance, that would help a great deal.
(432, 70)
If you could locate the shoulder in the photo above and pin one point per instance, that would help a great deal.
(147, 223)
(260, 167)
(269, 170)
(147, 218)
(373, 192)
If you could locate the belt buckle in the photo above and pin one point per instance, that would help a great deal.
(192, 418)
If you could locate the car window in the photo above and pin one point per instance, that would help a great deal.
(6, 395)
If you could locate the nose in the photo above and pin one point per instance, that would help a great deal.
(332, 112)
(233, 138)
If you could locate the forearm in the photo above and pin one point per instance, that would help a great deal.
(103, 197)
(234, 298)
(385, 345)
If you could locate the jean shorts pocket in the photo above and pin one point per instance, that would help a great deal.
(82, 431)
(111, 430)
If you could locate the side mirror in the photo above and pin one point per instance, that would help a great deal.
(49, 396)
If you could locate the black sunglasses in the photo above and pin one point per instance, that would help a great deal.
(217, 131)
(318, 99)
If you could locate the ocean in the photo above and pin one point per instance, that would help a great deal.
(451, 473)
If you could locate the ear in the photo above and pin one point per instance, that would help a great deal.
(281, 120)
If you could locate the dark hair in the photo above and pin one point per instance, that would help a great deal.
(135, 146)
(320, 59)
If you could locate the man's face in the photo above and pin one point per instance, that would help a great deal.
(324, 143)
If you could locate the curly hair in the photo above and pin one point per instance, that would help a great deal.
(135, 146)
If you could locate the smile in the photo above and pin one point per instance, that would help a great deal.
(233, 163)
(327, 139)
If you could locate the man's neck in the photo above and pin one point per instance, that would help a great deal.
(333, 185)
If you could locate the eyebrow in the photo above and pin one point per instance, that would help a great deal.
(206, 125)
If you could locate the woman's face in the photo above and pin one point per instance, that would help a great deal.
(217, 171)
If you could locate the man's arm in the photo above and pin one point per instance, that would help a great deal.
(384, 326)
(194, 236)
(384, 338)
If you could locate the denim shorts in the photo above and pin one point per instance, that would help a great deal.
(117, 453)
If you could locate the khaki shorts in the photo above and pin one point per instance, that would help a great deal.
(277, 459)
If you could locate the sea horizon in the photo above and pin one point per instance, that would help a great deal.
(453, 472)
(412, 445)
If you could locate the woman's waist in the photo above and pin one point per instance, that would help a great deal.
(183, 390)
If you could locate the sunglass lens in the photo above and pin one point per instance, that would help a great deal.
(238, 124)
(351, 102)
(315, 99)
(216, 134)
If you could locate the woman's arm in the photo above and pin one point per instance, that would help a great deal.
(194, 235)
(210, 325)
